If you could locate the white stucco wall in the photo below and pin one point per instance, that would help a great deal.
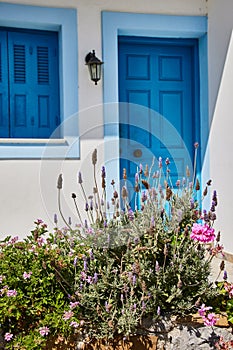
(28, 188)
(219, 161)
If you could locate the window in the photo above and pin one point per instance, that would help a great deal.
(29, 103)
(61, 24)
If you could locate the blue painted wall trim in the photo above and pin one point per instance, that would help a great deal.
(65, 22)
(149, 25)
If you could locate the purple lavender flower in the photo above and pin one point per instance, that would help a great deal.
(130, 214)
(103, 172)
(85, 265)
(143, 305)
(80, 181)
(144, 196)
(191, 203)
(91, 204)
(75, 261)
(83, 276)
(225, 275)
(107, 306)
(152, 222)
(158, 311)
(95, 278)
(91, 254)
(55, 219)
(134, 280)
(136, 177)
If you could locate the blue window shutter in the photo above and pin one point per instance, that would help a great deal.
(33, 76)
(4, 107)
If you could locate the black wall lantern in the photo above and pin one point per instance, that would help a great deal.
(94, 66)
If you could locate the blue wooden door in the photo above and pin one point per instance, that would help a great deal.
(157, 88)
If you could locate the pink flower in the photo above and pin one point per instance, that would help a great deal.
(73, 305)
(202, 233)
(229, 289)
(210, 319)
(44, 331)
(74, 324)
(27, 275)
(203, 309)
(11, 293)
(1, 278)
(41, 241)
(8, 336)
(14, 240)
(67, 315)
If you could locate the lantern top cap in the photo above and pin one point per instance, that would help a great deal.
(92, 59)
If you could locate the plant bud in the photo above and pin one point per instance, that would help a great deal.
(59, 182)
(197, 185)
(94, 157)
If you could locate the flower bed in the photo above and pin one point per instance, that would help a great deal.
(101, 278)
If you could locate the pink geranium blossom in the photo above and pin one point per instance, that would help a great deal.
(8, 336)
(27, 275)
(11, 293)
(74, 324)
(67, 315)
(44, 331)
(202, 233)
(203, 309)
(229, 288)
(210, 319)
(74, 304)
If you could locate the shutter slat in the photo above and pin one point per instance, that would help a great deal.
(19, 64)
(42, 65)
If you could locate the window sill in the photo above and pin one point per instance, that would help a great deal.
(15, 141)
(66, 148)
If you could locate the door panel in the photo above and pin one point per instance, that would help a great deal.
(157, 109)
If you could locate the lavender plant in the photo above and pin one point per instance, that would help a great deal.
(146, 262)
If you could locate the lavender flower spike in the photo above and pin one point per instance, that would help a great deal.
(80, 180)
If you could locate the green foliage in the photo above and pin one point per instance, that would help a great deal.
(36, 279)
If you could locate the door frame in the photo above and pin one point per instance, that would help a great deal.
(147, 25)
